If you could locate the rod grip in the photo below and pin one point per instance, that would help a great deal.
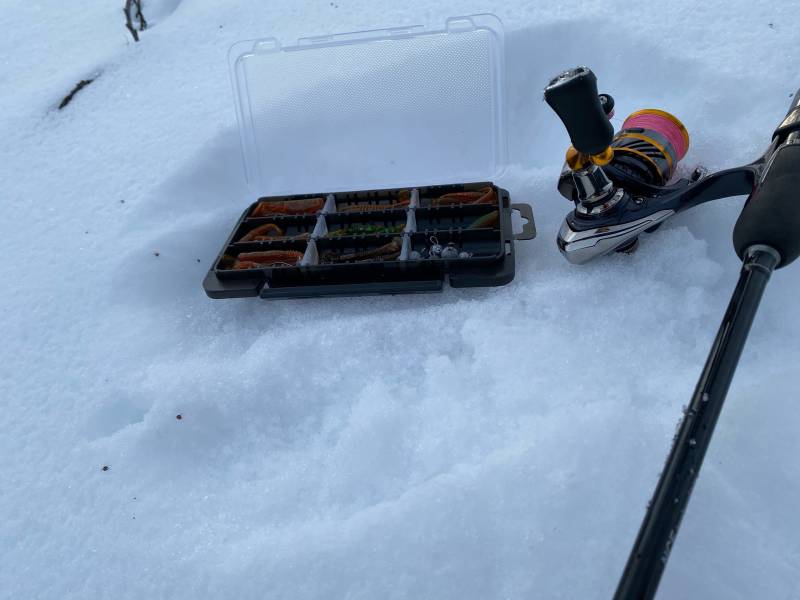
(771, 215)
(573, 97)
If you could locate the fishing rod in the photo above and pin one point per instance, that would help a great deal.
(619, 184)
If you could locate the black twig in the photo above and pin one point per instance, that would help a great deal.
(129, 6)
(128, 22)
(140, 16)
(78, 87)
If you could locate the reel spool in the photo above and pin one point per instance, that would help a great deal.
(650, 145)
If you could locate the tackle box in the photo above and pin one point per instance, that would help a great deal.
(373, 156)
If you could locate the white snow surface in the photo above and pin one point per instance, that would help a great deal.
(477, 444)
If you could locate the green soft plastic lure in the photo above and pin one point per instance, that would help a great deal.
(360, 229)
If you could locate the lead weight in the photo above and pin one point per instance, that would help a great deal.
(450, 251)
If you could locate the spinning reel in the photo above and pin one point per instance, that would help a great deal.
(620, 183)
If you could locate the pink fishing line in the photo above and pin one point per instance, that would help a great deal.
(663, 126)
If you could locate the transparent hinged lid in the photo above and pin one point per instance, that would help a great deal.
(385, 108)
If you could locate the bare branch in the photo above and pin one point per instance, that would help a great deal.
(129, 21)
(140, 16)
(78, 87)
(129, 6)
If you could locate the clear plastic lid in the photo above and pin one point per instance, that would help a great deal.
(385, 108)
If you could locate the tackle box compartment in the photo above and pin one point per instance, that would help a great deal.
(395, 114)
(370, 242)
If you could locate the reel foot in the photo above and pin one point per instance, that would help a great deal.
(630, 247)
(653, 228)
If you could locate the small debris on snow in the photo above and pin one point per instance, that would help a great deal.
(78, 87)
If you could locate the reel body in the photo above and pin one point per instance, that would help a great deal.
(620, 183)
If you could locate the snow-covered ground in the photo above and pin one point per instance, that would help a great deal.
(481, 444)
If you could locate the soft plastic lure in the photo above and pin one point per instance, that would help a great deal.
(489, 220)
(365, 230)
(304, 206)
(271, 232)
(484, 196)
(267, 258)
(388, 251)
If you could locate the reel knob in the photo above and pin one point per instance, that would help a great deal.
(573, 96)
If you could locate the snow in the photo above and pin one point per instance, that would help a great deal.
(492, 443)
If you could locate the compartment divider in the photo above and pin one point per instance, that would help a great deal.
(411, 221)
(330, 205)
(311, 256)
(321, 228)
(404, 252)
(414, 201)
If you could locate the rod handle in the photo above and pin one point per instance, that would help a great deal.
(771, 215)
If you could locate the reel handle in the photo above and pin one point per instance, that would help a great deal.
(573, 97)
(771, 215)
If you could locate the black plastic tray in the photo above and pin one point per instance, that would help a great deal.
(346, 223)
